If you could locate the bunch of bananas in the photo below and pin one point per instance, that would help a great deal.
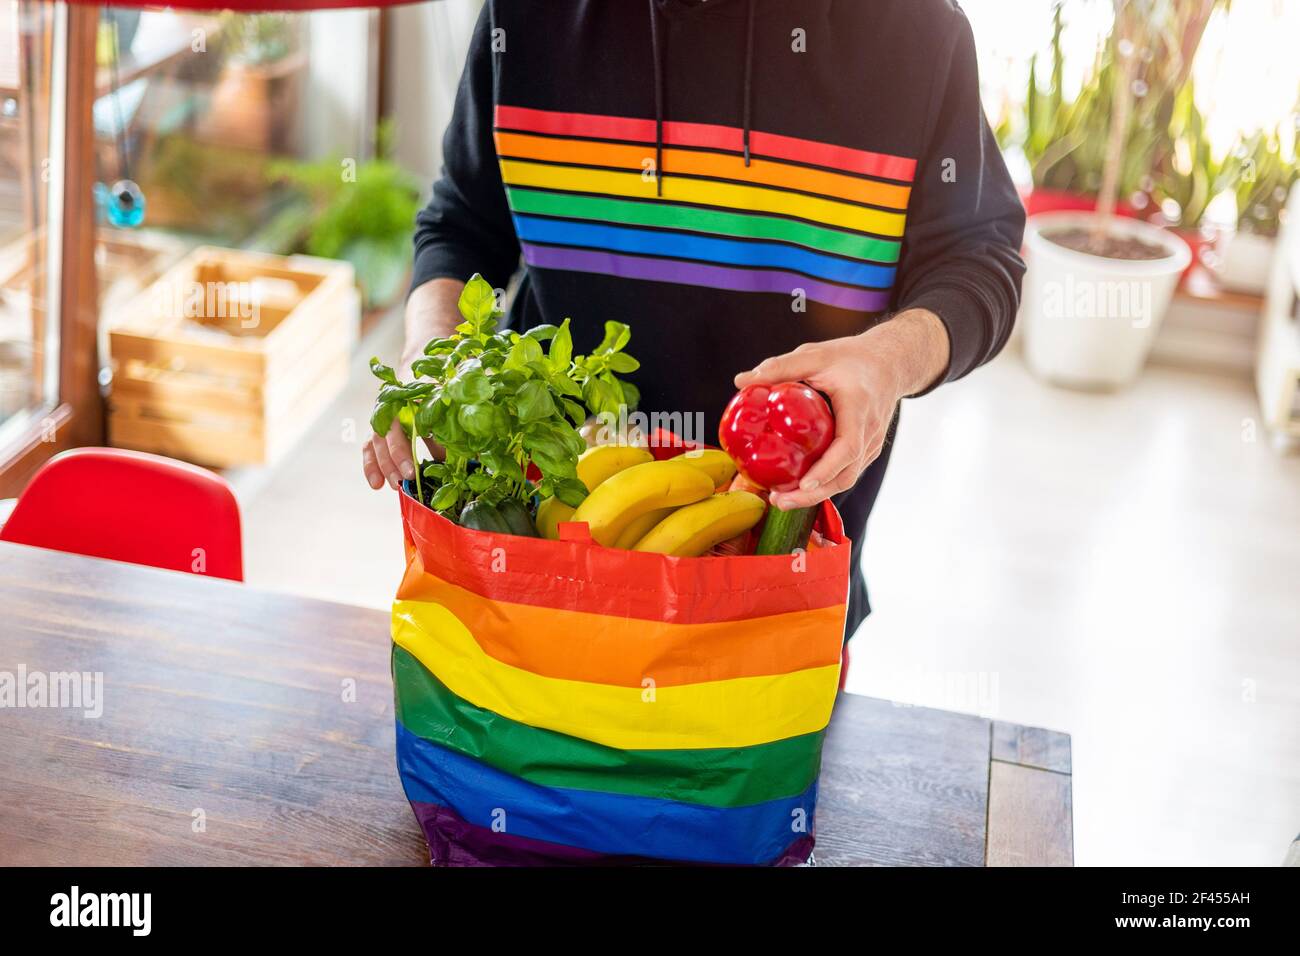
(672, 507)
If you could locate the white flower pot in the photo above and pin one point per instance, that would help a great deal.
(1089, 322)
(1245, 262)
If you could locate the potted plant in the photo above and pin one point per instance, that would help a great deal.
(1262, 177)
(254, 103)
(365, 218)
(1098, 284)
(1189, 178)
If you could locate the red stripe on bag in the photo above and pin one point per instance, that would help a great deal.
(652, 587)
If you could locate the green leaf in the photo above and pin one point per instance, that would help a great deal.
(479, 419)
(555, 466)
(602, 396)
(503, 465)
(406, 416)
(470, 384)
(427, 418)
(564, 385)
(541, 332)
(382, 372)
(405, 393)
(381, 419)
(431, 366)
(450, 433)
(534, 402)
(540, 438)
(524, 351)
(577, 412)
(571, 491)
(445, 498)
(568, 436)
(617, 335)
(508, 380)
(622, 362)
(631, 395)
(540, 369)
(561, 353)
(478, 304)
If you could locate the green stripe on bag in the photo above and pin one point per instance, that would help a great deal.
(733, 777)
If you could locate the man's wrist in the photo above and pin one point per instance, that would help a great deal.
(915, 344)
(431, 312)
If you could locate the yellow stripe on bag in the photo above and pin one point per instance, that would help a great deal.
(740, 712)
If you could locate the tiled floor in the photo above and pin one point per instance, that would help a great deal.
(1125, 568)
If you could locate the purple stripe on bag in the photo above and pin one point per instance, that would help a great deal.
(453, 842)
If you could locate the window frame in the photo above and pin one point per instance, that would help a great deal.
(77, 417)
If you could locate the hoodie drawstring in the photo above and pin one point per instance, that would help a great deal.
(749, 73)
(658, 48)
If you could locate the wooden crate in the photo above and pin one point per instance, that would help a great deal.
(229, 356)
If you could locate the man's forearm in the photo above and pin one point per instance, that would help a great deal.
(431, 312)
(914, 344)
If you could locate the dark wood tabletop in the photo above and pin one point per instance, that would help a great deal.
(244, 727)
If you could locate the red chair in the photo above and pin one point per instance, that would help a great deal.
(130, 506)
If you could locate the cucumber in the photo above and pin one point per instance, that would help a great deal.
(517, 518)
(479, 516)
(786, 531)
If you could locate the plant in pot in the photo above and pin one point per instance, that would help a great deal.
(1261, 176)
(1098, 284)
(364, 216)
(1065, 141)
(1189, 179)
(255, 100)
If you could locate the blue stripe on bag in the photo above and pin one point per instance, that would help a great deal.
(616, 824)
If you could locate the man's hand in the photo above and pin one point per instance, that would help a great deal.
(431, 312)
(865, 376)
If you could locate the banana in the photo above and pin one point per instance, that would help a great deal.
(639, 527)
(596, 465)
(550, 512)
(690, 531)
(619, 500)
(713, 462)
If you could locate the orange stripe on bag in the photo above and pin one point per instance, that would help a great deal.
(626, 651)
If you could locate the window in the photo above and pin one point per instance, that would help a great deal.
(30, 191)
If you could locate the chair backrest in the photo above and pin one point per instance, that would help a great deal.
(131, 506)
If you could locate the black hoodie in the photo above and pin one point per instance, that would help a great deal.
(730, 177)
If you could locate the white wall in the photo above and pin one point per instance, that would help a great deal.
(342, 83)
(426, 51)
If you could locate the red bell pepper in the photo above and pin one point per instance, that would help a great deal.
(775, 433)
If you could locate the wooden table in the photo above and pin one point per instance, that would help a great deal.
(242, 727)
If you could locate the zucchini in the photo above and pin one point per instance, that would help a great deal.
(480, 516)
(786, 531)
(517, 518)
